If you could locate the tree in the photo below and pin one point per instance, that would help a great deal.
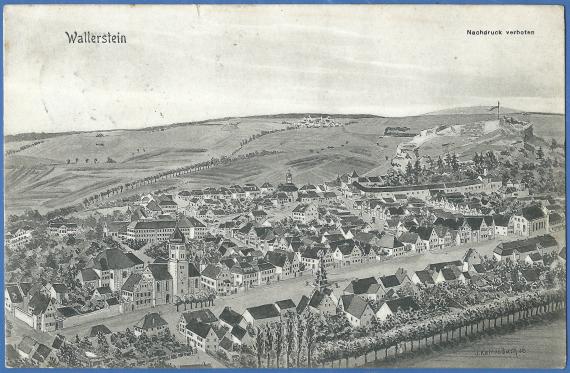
(279, 342)
(553, 144)
(259, 345)
(540, 153)
(454, 163)
(440, 164)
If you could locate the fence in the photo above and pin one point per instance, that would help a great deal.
(443, 337)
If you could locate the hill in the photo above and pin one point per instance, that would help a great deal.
(41, 177)
(471, 110)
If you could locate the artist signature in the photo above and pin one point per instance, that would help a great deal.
(501, 351)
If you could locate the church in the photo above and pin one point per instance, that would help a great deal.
(163, 281)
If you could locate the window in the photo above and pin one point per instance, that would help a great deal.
(158, 286)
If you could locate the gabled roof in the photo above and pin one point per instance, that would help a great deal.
(151, 321)
(98, 329)
(425, 277)
(39, 302)
(285, 304)
(448, 274)
(204, 315)
(199, 328)
(436, 267)
(402, 304)
(532, 213)
(230, 316)
(389, 281)
(408, 237)
(159, 271)
(133, 280)
(42, 352)
(361, 286)
(112, 259)
(14, 293)
(177, 236)
(193, 270)
(135, 259)
(27, 344)
(238, 332)
(303, 303)
(354, 305)
(264, 311)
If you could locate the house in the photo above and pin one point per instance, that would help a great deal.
(412, 242)
(202, 336)
(216, 278)
(501, 224)
(58, 292)
(115, 229)
(13, 298)
(529, 276)
(534, 258)
(42, 355)
(205, 316)
(229, 318)
(152, 324)
(470, 258)
(89, 278)
(391, 245)
(286, 263)
(62, 228)
(450, 275)
(27, 347)
(346, 252)
(393, 306)
(321, 301)
(530, 221)
(368, 288)
(137, 292)
(286, 306)
(357, 310)
(113, 268)
(423, 277)
(41, 313)
(97, 330)
(103, 292)
(305, 213)
(260, 315)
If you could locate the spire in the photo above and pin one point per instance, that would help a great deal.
(177, 236)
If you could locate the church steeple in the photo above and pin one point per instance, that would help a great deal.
(178, 262)
(289, 177)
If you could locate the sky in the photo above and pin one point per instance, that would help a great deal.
(187, 63)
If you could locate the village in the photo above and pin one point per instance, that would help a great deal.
(180, 278)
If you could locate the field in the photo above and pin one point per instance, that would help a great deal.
(40, 177)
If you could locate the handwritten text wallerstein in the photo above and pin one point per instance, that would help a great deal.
(499, 32)
(88, 37)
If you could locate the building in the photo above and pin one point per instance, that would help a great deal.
(391, 307)
(152, 324)
(531, 221)
(113, 268)
(159, 230)
(202, 336)
(357, 310)
(260, 315)
(305, 213)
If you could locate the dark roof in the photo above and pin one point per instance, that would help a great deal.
(264, 311)
(227, 344)
(135, 259)
(402, 304)
(105, 290)
(88, 274)
(436, 267)
(98, 329)
(42, 352)
(27, 344)
(58, 341)
(193, 270)
(133, 280)
(303, 303)
(238, 332)
(530, 275)
(204, 316)
(354, 305)
(59, 288)
(448, 274)
(199, 328)
(424, 277)
(285, 304)
(501, 220)
(532, 212)
(14, 293)
(360, 286)
(39, 302)
(159, 271)
(177, 236)
(150, 321)
(112, 259)
(230, 316)
(389, 281)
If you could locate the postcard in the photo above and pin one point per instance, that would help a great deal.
(284, 186)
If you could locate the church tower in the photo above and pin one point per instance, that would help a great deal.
(289, 177)
(178, 262)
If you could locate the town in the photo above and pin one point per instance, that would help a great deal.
(286, 275)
